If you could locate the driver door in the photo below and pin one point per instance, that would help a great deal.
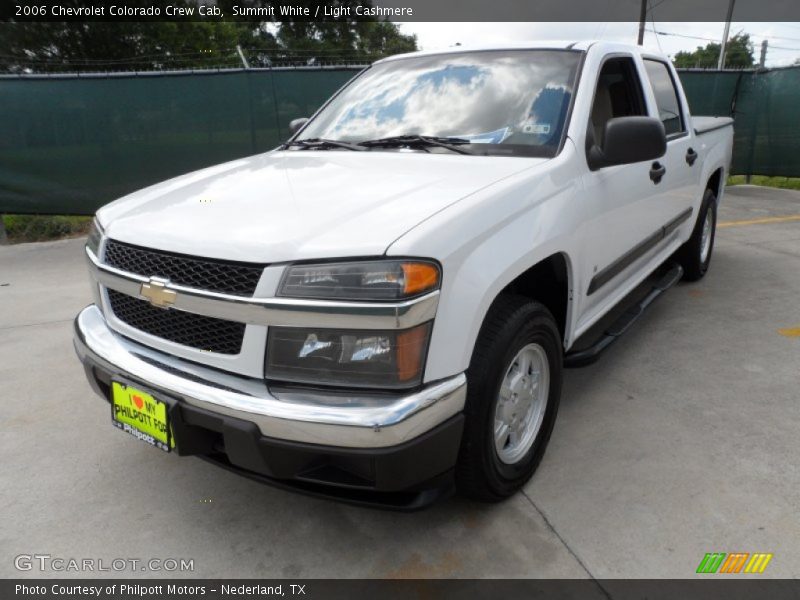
(621, 219)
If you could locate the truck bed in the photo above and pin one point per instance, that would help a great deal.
(705, 124)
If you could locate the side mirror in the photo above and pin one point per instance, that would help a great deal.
(629, 140)
(296, 125)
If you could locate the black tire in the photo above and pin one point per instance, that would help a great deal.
(689, 256)
(513, 322)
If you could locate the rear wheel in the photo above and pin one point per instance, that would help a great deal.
(514, 385)
(695, 255)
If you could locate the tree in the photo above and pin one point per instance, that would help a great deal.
(738, 54)
(344, 38)
(181, 44)
(126, 46)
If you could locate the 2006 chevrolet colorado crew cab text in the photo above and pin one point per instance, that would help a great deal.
(381, 309)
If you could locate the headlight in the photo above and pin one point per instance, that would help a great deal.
(365, 280)
(95, 237)
(355, 358)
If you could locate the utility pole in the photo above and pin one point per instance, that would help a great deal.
(762, 61)
(642, 21)
(721, 63)
(241, 55)
(761, 67)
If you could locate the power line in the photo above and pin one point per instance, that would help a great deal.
(778, 37)
(705, 39)
(682, 35)
(653, 21)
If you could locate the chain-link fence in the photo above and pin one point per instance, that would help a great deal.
(69, 143)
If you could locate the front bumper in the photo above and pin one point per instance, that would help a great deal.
(388, 449)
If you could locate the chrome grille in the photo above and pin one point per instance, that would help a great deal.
(227, 277)
(188, 329)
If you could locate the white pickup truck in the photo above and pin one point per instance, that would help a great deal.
(380, 310)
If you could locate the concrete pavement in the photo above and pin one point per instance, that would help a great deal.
(681, 440)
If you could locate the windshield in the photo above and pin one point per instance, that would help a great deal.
(510, 102)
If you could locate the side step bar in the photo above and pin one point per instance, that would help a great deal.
(582, 358)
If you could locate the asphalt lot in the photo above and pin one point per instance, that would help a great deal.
(683, 439)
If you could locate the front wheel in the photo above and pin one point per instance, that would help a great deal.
(514, 386)
(695, 255)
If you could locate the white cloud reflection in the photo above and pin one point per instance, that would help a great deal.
(455, 95)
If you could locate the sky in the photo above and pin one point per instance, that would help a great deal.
(783, 38)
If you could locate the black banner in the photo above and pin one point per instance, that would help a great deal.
(394, 10)
(711, 588)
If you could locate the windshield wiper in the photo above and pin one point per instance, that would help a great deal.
(322, 144)
(451, 143)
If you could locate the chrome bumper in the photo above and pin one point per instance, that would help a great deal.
(352, 420)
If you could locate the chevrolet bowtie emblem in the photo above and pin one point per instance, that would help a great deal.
(157, 293)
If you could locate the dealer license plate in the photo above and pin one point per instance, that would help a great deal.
(141, 415)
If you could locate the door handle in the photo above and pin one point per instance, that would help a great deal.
(657, 171)
(691, 156)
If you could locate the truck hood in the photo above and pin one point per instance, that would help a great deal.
(295, 205)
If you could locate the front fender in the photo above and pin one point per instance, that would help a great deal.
(487, 240)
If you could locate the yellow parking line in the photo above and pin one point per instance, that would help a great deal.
(760, 221)
(790, 332)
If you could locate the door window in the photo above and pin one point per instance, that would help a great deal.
(618, 94)
(669, 108)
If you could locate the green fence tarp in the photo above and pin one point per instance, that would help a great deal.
(766, 109)
(71, 144)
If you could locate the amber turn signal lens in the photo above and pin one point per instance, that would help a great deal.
(419, 277)
(411, 348)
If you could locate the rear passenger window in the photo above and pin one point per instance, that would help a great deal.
(669, 108)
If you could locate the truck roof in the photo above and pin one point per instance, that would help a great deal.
(581, 45)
